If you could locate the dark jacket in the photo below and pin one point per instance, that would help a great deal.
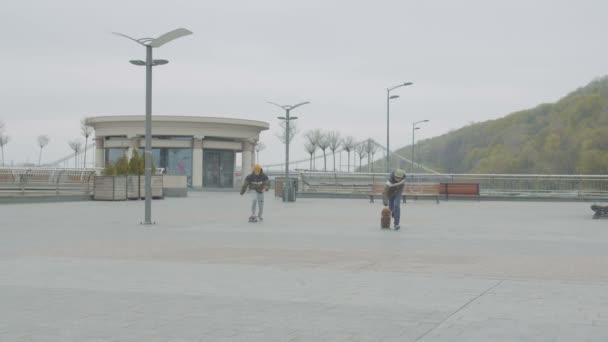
(392, 187)
(255, 182)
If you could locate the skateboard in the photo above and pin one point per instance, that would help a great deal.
(599, 211)
(385, 218)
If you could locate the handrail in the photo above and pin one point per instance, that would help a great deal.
(575, 186)
(45, 181)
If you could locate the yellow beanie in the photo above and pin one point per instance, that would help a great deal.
(257, 168)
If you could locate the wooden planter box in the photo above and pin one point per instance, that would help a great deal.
(110, 188)
(157, 186)
(133, 191)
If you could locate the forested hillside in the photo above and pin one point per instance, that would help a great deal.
(566, 137)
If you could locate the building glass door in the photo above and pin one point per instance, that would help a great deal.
(218, 169)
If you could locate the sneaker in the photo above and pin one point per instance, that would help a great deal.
(260, 218)
(397, 227)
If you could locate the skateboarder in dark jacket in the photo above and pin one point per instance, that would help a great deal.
(391, 196)
(258, 183)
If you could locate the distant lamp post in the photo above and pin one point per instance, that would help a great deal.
(150, 43)
(388, 106)
(414, 128)
(287, 118)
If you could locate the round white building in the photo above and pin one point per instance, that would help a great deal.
(202, 148)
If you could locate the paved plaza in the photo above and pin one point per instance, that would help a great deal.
(315, 270)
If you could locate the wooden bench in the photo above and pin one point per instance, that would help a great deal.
(421, 190)
(459, 189)
(377, 190)
(331, 187)
(410, 189)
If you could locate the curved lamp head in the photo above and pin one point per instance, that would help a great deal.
(161, 40)
(159, 62)
(401, 85)
(298, 105)
(288, 107)
(154, 62)
(276, 104)
(169, 36)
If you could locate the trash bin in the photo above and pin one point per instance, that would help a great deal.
(292, 190)
(288, 194)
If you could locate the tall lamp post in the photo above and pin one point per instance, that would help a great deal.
(388, 106)
(150, 43)
(414, 128)
(287, 118)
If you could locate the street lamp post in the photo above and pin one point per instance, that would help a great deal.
(414, 128)
(150, 43)
(287, 118)
(388, 101)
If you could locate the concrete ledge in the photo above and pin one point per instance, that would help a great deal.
(457, 198)
(329, 195)
(44, 199)
(175, 192)
(219, 190)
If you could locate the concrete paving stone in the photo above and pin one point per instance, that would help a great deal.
(315, 270)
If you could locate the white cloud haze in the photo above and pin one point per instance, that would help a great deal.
(469, 60)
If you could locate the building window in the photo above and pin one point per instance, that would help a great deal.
(175, 161)
(112, 154)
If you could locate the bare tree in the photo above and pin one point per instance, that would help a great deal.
(260, 146)
(374, 150)
(370, 150)
(43, 140)
(310, 149)
(323, 144)
(333, 139)
(86, 132)
(348, 144)
(312, 138)
(76, 146)
(4, 139)
(360, 150)
(293, 130)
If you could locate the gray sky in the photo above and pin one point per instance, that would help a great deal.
(470, 60)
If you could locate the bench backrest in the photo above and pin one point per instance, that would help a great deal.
(377, 188)
(421, 189)
(466, 189)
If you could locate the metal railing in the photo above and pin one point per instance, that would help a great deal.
(490, 185)
(45, 181)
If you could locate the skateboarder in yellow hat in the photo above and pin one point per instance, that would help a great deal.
(257, 183)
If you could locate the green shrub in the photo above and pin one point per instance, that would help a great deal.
(142, 165)
(109, 170)
(122, 166)
(134, 163)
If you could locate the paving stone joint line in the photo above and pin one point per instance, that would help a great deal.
(461, 308)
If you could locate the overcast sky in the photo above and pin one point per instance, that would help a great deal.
(469, 61)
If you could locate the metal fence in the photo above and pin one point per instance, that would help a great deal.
(490, 185)
(45, 181)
